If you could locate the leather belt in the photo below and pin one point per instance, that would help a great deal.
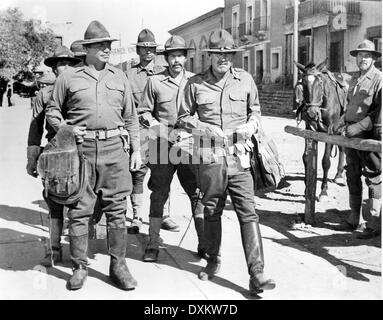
(103, 134)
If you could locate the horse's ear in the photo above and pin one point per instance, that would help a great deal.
(322, 65)
(301, 67)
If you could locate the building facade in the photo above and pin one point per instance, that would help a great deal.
(330, 29)
(196, 34)
(256, 27)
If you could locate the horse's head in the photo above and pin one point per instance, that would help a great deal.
(313, 89)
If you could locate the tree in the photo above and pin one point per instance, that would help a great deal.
(23, 43)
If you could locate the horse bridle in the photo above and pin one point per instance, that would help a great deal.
(316, 105)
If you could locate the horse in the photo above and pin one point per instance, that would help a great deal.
(323, 99)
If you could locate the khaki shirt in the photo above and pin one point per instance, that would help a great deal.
(363, 98)
(138, 77)
(161, 99)
(104, 103)
(36, 129)
(205, 103)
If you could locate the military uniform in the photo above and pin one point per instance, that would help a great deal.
(363, 102)
(229, 104)
(158, 109)
(102, 102)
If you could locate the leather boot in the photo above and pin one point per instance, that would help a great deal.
(152, 249)
(374, 212)
(252, 245)
(118, 270)
(54, 250)
(78, 246)
(199, 227)
(355, 202)
(137, 202)
(213, 234)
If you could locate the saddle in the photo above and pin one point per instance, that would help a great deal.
(62, 167)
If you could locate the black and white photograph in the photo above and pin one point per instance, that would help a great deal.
(206, 153)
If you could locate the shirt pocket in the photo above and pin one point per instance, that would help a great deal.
(79, 91)
(114, 93)
(238, 103)
(207, 106)
(164, 107)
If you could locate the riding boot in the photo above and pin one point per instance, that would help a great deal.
(118, 270)
(54, 249)
(137, 202)
(199, 227)
(355, 202)
(152, 249)
(78, 246)
(213, 234)
(252, 245)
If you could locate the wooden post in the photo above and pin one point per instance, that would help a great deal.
(311, 179)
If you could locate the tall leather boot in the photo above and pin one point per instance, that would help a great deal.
(78, 246)
(252, 245)
(118, 270)
(152, 249)
(137, 202)
(54, 250)
(199, 227)
(355, 202)
(213, 235)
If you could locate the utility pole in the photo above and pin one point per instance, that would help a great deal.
(295, 42)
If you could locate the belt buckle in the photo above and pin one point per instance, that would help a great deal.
(99, 135)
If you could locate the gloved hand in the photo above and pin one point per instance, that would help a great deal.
(214, 132)
(246, 130)
(241, 148)
(135, 160)
(353, 129)
(158, 130)
(33, 153)
(336, 126)
(177, 135)
(79, 132)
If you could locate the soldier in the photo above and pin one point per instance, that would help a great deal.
(3, 88)
(158, 111)
(222, 104)
(79, 52)
(361, 120)
(138, 75)
(59, 62)
(97, 100)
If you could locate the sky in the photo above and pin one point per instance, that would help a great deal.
(123, 18)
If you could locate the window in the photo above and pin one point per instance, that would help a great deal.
(246, 63)
(191, 65)
(235, 21)
(275, 60)
(249, 20)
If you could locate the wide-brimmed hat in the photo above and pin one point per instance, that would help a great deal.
(222, 41)
(96, 32)
(77, 48)
(175, 43)
(146, 39)
(61, 53)
(47, 78)
(366, 46)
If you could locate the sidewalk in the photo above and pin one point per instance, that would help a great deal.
(320, 265)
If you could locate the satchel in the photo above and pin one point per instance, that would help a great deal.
(62, 167)
(266, 168)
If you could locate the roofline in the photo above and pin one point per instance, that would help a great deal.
(196, 20)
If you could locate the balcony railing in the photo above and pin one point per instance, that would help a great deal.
(252, 27)
(313, 7)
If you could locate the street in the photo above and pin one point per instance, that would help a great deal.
(306, 263)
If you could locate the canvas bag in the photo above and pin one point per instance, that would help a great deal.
(62, 167)
(266, 168)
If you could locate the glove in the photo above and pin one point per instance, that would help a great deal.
(353, 130)
(242, 148)
(33, 153)
(248, 129)
(135, 161)
(159, 131)
(214, 132)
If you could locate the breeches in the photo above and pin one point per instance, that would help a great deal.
(109, 179)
